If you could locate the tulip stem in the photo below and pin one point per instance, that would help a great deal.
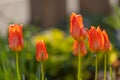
(111, 73)
(4, 70)
(17, 67)
(105, 67)
(79, 65)
(42, 71)
(96, 67)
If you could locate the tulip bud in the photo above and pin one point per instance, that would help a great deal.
(79, 46)
(15, 37)
(41, 53)
(77, 29)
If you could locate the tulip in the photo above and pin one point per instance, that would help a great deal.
(81, 47)
(16, 42)
(96, 40)
(106, 46)
(77, 29)
(41, 53)
(79, 50)
(78, 32)
(15, 37)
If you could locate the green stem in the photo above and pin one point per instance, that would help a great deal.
(111, 73)
(4, 70)
(96, 67)
(105, 67)
(79, 65)
(42, 71)
(5, 74)
(17, 67)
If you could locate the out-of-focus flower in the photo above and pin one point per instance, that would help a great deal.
(15, 37)
(41, 52)
(77, 29)
(96, 39)
(79, 46)
(106, 46)
(113, 57)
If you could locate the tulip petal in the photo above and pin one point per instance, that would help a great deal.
(106, 41)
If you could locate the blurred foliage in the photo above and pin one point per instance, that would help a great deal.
(114, 19)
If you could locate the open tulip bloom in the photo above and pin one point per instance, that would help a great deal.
(95, 38)
(98, 41)
(16, 42)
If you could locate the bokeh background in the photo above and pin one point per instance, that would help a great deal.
(49, 20)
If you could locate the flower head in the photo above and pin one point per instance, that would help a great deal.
(77, 29)
(106, 46)
(41, 53)
(15, 37)
(79, 46)
(96, 40)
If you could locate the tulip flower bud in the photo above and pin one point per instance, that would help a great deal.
(15, 37)
(77, 29)
(41, 52)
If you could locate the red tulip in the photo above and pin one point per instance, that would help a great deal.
(77, 29)
(106, 46)
(15, 37)
(96, 40)
(79, 46)
(41, 53)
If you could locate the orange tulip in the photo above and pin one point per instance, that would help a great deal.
(41, 53)
(79, 46)
(96, 40)
(106, 46)
(15, 37)
(77, 29)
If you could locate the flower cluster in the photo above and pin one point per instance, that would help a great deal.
(97, 39)
(16, 42)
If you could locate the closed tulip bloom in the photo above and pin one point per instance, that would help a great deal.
(79, 46)
(41, 53)
(77, 29)
(106, 46)
(15, 37)
(95, 38)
